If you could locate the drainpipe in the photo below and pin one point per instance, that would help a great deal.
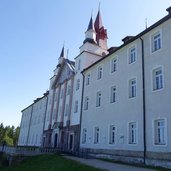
(81, 111)
(144, 102)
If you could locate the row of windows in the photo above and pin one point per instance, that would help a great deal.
(159, 133)
(157, 84)
(132, 56)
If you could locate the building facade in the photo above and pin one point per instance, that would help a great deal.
(110, 102)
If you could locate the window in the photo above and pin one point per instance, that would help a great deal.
(157, 79)
(99, 72)
(88, 79)
(78, 84)
(132, 133)
(86, 103)
(62, 93)
(68, 90)
(156, 41)
(98, 99)
(84, 136)
(79, 64)
(96, 135)
(112, 134)
(76, 106)
(113, 64)
(132, 88)
(159, 132)
(66, 109)
(113, 94)
(132, 55)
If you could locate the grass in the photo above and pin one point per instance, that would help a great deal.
(48, 163)
(136, 165)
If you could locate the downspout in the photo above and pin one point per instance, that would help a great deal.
(144, 102)
(81, 111)
(30, 124)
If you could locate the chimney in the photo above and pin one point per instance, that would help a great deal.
(127, 38)
(169, 10)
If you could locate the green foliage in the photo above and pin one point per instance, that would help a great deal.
(50, 163)
(8, 135)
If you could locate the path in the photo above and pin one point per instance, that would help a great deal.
(107, 165)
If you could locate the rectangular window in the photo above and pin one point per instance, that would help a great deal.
(98, 99)
(132, 88)
(68, 90)
(132, 55)
(87, 79)
(157, 79)
(156, 41)
(113, 65)
(86, 103)
(76, 106)
(66, 109)
(132, 133)
(113, 94)
(84, 136)
(112, 134)
(160, 132)
(78, 84)
(99, 72)
(96, 135)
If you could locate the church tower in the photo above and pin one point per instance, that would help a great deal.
(101, 32)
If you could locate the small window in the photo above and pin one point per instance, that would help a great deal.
(76, 106)
(132, 133)
(86, 102)
(132, 55)
(160, 132)
(157, 79)
(87, 79)
(84, 136)
(98, 99)
(156, 41)
(96, 135)
(68, 90)
(113, 94)
(132, 88)
(99, 72)
(113, 64)
(78, 84)
(112, 134)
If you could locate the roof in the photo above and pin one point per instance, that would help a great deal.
(161, 21)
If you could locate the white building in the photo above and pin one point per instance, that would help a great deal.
(126, 112)
(108, 102)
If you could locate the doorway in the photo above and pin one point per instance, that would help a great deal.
(55, 140)
(71, 142)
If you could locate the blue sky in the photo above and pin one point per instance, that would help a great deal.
(32, 33)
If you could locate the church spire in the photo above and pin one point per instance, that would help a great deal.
(62, 55)
(90, 35)
(101, 32)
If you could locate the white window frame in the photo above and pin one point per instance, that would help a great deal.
(132, 133)
(99, 72)
(88, 79)
(155, 85)
(113, 94)
(76, 106)
(84, 136)
(96, 135)
(132, 88)
(132, 56)
(86, 103)
(154, 39)
(98, 99)
(155, 133)
(113, 64)
(112, 134)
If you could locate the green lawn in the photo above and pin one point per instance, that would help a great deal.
(48, 163)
